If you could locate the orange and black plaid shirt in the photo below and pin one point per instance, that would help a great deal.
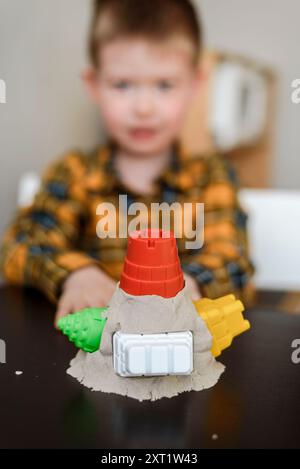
(56, 234)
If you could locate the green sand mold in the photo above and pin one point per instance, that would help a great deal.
(84, 328)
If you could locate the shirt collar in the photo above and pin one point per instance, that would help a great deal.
(172, 176)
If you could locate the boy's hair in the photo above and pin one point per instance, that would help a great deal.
(151, 19)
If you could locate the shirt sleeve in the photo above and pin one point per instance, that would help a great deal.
(222, 265)
(40, 246)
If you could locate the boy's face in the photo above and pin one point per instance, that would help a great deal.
(143, 90)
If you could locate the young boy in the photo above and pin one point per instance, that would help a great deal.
(143, 76)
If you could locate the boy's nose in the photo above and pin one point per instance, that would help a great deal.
(144, 103)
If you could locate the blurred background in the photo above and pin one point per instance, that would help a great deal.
(244, 111)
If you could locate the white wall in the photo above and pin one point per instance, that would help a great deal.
(42, 50)
(266, 30)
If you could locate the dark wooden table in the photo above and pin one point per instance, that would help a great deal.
(256, 403)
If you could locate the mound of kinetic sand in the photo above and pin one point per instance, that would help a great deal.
(148, 314)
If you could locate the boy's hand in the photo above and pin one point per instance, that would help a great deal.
(192, 287)
(85, 288)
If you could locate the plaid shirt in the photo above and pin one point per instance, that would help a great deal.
(56, 234)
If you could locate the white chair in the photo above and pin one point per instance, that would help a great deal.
(28, 186)
(274, 232)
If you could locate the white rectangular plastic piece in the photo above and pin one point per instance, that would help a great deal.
(153, 354)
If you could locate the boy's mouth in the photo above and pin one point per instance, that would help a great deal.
(142, 133)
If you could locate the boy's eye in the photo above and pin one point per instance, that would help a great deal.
(165, 85)
(121, 85)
